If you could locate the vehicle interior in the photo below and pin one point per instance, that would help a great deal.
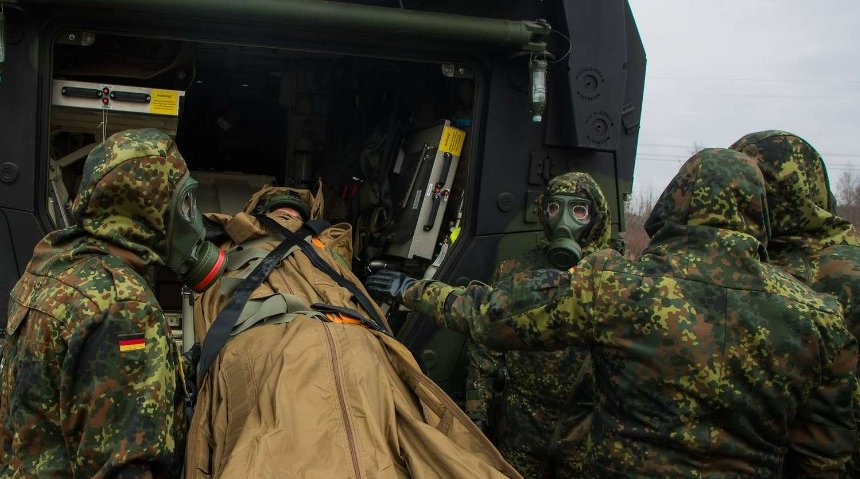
(416, 117)
(367, 128)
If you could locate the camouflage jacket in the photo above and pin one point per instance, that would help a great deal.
(538, 402)
(707, 361)
(88, 374)
(809, 239)
(487, 366)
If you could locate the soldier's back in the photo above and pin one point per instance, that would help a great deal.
(701, 372)
(59, 318)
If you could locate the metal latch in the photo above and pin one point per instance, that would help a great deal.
(438, 193)
(130, 96)
(78, 92)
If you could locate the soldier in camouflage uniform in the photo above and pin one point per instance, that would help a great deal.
(707, 361)
(90, 375)
(544, 413)
(808, 238)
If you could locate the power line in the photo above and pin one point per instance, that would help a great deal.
(673, 155)
(658, 160)
(665, 144)
(658, 154)
(840, 164)
(756, 95)
(681, 159)
(765, 80)
(687, 147)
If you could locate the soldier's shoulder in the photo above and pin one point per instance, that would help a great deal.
(780, 283)
(610, 260)
(104, 280)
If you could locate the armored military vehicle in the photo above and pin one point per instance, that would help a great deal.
(432, 124)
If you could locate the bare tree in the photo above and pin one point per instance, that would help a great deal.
(848, 194)
(696, 147)
(636, 211)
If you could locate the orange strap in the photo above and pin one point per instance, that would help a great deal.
(335, 317)
(340, 318)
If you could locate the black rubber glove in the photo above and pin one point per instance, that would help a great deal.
(388, 285)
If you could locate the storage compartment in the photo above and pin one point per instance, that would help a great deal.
(372, 129)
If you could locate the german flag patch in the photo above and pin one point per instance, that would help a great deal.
(131, 342)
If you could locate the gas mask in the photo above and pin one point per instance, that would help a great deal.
(197, 262)
(568, 219)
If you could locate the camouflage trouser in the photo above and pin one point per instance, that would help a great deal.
(532, 465)
(852, 469)
(528, 449)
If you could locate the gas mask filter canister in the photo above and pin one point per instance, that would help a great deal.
(198, 263)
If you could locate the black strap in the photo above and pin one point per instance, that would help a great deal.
(215, 231)
(374, 321)
(314, 227)
(219, 332)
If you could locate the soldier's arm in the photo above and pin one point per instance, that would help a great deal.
(483, 366)
(122, 420)
(821, 439)
(542, 309)
(30, 366)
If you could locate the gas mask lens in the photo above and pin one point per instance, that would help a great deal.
(578, 210)
(580, 213)
(552, 210)
(189, 204)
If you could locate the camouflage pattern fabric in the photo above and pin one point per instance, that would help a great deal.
(538, 401)
(707, 361)
(89, 370)
(809, 239)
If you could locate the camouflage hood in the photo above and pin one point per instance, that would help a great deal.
(581, 184)
(802, 207)
(718, 194)
(125, 194)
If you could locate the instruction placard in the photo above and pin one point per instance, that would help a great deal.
(452, 140)
(164, 102)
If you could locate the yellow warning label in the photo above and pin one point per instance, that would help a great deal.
(164, 102)
(452, 141)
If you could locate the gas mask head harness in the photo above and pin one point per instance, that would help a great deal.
(568, 219)
(197, 262)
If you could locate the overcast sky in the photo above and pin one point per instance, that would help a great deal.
(719, 70)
